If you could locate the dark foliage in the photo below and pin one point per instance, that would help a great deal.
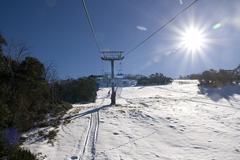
(214, 78)
(51, 136)
(13, 152)
(21, 154)
(28, 98)
(29, 93)
(24, 93)
(134, 77)
(80, 90)
(154, 79)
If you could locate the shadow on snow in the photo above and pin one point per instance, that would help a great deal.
(226, 92)
(72, 117)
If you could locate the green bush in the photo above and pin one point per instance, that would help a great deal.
(74, 91)
(27, 97)
(52, 134)
(154, 79)
(216, 78)
(41, 133)
(21, 154)
(213, 78)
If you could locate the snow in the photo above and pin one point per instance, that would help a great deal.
(173, 122)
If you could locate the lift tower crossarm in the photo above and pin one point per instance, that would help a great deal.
(112, 56)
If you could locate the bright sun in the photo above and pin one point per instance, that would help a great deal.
(193, 40)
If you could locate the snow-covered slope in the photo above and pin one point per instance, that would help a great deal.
(172, 122)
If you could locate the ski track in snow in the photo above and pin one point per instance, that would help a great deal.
(89, 148)
(171, 122)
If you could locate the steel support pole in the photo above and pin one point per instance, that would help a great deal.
(113, 96)
(112, 56)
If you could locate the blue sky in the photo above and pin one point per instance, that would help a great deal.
(57, 32)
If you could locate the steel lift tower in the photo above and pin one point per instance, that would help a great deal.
(112, 56)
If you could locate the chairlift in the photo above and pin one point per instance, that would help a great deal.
(120, 74)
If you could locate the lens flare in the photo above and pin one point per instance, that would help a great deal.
(217, 26)
(193, 40)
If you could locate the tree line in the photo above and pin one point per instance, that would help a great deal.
(29, 95)
(153, 79)
(217, 78)
(76, 90)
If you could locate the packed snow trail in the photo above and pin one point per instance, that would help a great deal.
(89, 148)
(171, 122)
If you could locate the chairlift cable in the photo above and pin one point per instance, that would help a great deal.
(91, 25)
(161, 27)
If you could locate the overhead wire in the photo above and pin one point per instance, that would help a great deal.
(91, 25)
(160, 28)
(143, 41)
(93, 31)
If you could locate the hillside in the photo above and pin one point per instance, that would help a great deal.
(175, 121)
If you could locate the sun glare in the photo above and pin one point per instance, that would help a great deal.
(193, 40)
